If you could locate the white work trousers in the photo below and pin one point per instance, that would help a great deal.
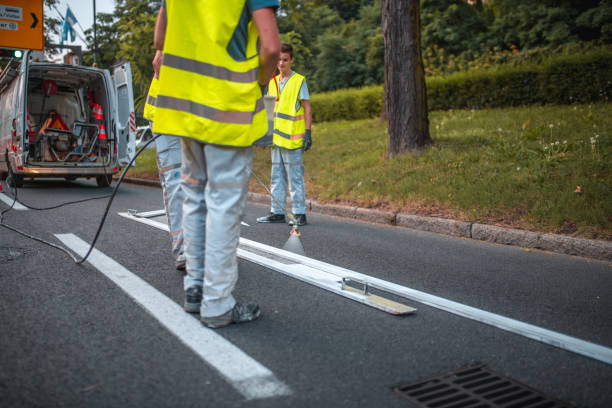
(216, 183)
(169, 165)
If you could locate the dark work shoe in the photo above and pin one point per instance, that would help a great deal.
(241, 313)
(193, 299)
(300, 218)
(272, 218)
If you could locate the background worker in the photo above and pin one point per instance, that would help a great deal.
(292, 136)
(217, 58)
(169, 166)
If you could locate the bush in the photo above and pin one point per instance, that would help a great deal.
(350, 104)
(559, 80)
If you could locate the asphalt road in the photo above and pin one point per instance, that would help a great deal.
(70, 336)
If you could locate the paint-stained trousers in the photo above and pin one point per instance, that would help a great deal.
(169, 165)
(287, 166)
(216, 182)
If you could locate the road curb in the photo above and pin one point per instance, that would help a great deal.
(588, 248)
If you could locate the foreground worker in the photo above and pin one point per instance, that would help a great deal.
(211, 82)
(292, 136)
(168, 150)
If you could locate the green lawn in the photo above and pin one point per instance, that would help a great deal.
(516, 167)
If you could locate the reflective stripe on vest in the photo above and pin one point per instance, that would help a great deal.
(289, 124)
(203, 92)
(149, 108)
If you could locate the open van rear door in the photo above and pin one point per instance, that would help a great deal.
(126, 126)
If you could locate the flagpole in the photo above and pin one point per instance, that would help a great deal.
(95, 44)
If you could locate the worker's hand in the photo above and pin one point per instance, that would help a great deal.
(157, 62)
(264, 89)
(307, 140)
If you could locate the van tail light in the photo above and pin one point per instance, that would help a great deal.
(115, 137)
(20, 168)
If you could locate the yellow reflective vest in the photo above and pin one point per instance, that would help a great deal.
(204, 92)
(149, 108)
(289, 122)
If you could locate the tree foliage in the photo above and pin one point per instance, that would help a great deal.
(127, 35)
(338, 43)
(344, 45)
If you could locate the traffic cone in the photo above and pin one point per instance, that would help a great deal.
(102, 134)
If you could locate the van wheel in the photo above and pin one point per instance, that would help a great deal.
(104, 180)
(14, 180)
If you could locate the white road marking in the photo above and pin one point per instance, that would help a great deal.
(303, 268)
(9, 201)
(309, 275)
(247, 376)
(540, 334)
(145, 219)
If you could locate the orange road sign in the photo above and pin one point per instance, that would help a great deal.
(21, 24)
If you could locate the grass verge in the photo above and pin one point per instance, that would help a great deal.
(539, 168)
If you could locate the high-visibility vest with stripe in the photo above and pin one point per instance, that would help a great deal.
(289, 123)
(204, 92)
(149, 108)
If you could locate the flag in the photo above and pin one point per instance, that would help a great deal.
(69, 22)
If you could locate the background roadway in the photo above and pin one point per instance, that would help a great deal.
(70, 337)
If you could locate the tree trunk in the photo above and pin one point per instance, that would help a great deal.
(405, 95)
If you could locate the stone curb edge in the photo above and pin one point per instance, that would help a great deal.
(588, 248)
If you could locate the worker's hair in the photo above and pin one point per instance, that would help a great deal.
(285, 47)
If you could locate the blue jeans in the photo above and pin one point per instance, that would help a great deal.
(169, 165)
(287, 165)
(216, 183)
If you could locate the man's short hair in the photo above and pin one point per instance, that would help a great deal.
(287, 48)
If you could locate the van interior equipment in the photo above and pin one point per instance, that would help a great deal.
(65, 120)
(62, 129)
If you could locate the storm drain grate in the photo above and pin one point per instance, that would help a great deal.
(475, 387)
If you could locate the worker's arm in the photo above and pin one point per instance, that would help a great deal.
(158, 40)
(308, 120)
(307, 113)
(265, 21)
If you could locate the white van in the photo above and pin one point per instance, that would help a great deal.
(67, 121)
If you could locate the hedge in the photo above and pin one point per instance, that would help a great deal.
(560, 80)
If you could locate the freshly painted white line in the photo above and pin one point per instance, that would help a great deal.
(9, 201)
(145, 220)
(309, 275)
(550, 337)
(247, 376)
(160, 225)
(301, 267)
